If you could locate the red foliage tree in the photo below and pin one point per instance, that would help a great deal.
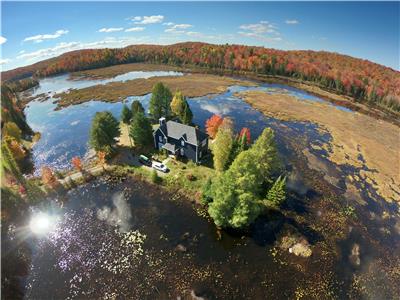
(212, 125)
(245, 132)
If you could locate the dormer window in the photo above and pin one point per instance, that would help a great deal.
(160, 138)
(183, 143)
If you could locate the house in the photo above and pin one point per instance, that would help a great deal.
(181, 140)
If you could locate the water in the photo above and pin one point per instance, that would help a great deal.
(62, 83)
(65, 132)
(85, 256)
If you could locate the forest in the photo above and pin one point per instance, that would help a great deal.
(363, 80)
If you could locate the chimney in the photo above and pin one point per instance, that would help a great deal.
(162, 121)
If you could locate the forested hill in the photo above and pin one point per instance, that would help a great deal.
(363, 80)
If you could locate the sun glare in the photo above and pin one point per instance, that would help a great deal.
(41, 224)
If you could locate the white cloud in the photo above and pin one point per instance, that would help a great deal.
(182, 26)
(21, 52)
(4, 61)
(61, 48)
(135, 29)
(41, 37)
(259, 28)
(168, 24)
(2, 40)
(178, 28)
(261, 37)
(174, 31)
(292, 22)
(263, 31)
(148, 19)
(111, 29)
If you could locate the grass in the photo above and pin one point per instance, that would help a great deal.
(193, 85)
(188, 177)
(354, 135)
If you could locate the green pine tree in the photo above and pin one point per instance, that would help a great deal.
(277, 195)
(160, 101)
(141, 130)
(126, 115)
(104, 131)
(187, 114)
(136, 107)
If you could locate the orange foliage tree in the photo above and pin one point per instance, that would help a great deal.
(212, 125)
(48, 177)
(101, 156)
(77, 163)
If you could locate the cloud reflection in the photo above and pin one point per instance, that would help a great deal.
(119, 215)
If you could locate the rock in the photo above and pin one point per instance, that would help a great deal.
(301, 249)
(180, 248)
(354, 257)
(185, 236)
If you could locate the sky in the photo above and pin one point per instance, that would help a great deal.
(33, 31)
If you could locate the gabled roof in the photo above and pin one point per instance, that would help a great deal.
(178, 130)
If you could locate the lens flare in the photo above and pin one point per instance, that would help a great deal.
(41, 224)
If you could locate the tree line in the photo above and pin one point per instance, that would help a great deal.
(363, 80)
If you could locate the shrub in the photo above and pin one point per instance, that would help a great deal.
(155, 178)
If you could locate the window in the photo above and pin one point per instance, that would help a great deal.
(200, 154)
(183, 143)
(204, 143)
(160, 138)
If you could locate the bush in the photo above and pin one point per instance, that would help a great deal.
(155, 178)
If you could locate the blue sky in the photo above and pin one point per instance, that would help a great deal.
(33, 31)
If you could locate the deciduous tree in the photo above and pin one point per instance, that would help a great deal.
(77, 163)
(212, 125)
(222, 145)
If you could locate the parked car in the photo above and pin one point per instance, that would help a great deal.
(159, 166)
(145, 160)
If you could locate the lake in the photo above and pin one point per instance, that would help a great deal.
(129, 239)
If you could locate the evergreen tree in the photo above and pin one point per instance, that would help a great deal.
(206, 195)
(136, 107)
(187, 115)
(126, 115)
(276, 195)
(141, 130)
(237, 192)
(160, 101)
(104, 130)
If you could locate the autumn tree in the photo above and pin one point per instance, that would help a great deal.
(48, 177)
(104, 131)
(222, 145)
(101, 157)
(141, 130)
(212, 125)
(160, 101)
(126, 115)
(180, 108)
(77, 163)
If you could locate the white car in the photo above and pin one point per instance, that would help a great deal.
(159, 166)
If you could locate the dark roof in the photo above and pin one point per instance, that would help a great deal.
(177, 130)
(170, 147)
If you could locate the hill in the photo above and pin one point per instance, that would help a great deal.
(363, 80)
